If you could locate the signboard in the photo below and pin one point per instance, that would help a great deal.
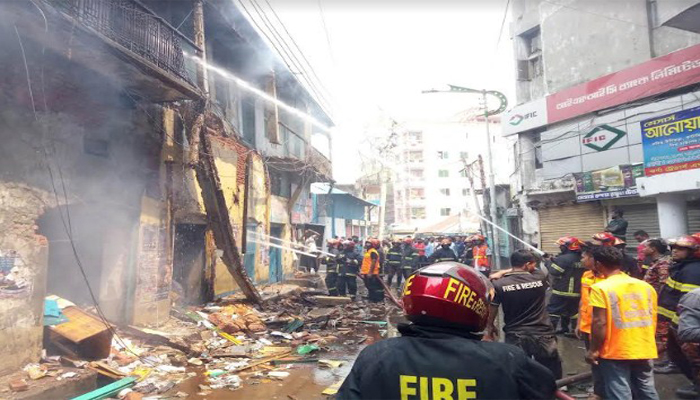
(602, 137)
(608, 183)
(658, 75)
(671, 142)
(524, 117)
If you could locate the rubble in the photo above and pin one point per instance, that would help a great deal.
(225, 345)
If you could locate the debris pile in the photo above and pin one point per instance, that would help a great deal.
(222, 345)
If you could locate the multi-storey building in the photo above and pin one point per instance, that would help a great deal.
(600, 88)
(430, 183)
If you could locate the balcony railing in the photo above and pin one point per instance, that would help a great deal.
(136, 28)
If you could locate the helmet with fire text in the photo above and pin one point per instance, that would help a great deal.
(685, 241)
(349, 245)
(447, 294)
(570, 242)
(604, 238)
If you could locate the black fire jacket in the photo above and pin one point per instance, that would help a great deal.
(444, 363)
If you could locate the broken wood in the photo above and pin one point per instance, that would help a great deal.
(390, 294)
(331, 300)
(261, 362)
(219, 218)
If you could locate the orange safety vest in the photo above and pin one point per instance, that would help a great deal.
(480, 257)
(585, 311)
(367, 263)
(631, 317)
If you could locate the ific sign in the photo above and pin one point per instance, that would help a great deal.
(602, 137)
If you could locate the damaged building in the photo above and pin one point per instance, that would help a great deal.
(130, 175)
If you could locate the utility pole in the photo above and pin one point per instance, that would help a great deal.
(492, 185)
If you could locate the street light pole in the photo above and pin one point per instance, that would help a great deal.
(492, 182)
(492, 186)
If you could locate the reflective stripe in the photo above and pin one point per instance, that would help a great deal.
(667, 313)
(571, 285)
(682, 287)
(558, 268)
(352, 275)
(479, 257)
(645, 266)
(407, 267)
(445, 259)
(647, 314)
(567, 294)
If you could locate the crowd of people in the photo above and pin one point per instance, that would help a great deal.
(636, 312)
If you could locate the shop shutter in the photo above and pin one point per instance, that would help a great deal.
(579, 220)
(693, 217)
(641, 216)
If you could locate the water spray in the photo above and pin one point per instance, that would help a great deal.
(268, 238)
(252, 89)
(531, 247)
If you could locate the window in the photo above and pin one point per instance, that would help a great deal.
(463, 155)
(444, 212)
(280, 185)
(465, 192)
(530, 66)
(443, 173)
(416, 173)
(417, 193)
(415, 156)
(445, 191)
(248, 119)
(443, 155)
(415, 137)
(463, 173)
(418, 213)
(539, 164)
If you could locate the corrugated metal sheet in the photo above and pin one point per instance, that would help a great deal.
(693, 217)
(641, 216)
(580, 220)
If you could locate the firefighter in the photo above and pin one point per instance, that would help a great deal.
(371, 269)
(481, 254)
(566, 271)
(468, 256)
(629, 264)
(684, 276)
(393, 263)
(443, 253)
(348, 268)
(420, 260)
(407, 259)
(331, 263)
(440, 354)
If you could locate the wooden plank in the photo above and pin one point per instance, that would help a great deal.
(219, 218)
(80, 326)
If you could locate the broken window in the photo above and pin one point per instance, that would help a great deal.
(530, 65)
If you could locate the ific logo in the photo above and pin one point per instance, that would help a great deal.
(602, 137)
(516, 119)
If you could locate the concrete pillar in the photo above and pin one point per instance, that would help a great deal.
(527, 160)
(673, 214)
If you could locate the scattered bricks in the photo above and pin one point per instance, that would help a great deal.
(19, 385)
(133, 396)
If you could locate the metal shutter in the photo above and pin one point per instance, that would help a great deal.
(693, 217)
(640, 216)
(579, 220)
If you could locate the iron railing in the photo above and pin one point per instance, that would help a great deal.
(135, 27)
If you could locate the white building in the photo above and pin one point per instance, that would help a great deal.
(430, 183)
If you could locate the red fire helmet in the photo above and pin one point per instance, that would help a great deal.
(685, 241)
(349, 245)
(478, 237)
(570, 242)
(374, 243)
(606, 238)
(447, 293)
